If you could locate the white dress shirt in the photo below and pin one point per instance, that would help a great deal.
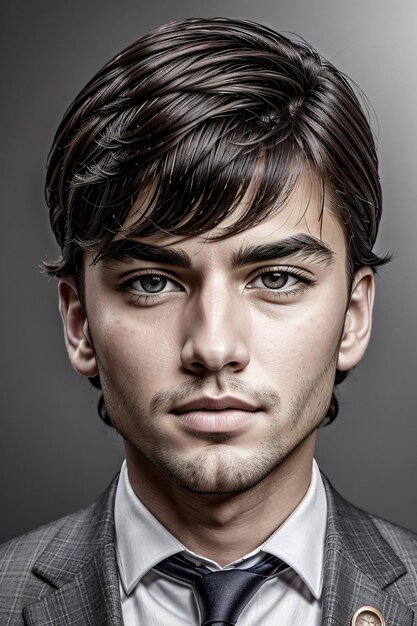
(151, 599)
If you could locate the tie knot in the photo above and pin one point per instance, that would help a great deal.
(221, 596)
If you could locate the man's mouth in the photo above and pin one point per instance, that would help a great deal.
(209, 414)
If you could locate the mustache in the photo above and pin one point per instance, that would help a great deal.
(262, 395)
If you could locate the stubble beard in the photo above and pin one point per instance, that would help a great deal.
(222, 468)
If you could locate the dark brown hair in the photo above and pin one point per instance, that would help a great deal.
(184, 115)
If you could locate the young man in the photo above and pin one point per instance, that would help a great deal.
(215, 193)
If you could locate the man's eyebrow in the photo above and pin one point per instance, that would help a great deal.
(124, 250)
(304, 247)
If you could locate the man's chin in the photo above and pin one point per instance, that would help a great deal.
(221, 471)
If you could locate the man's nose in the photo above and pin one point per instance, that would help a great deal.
(216, 332)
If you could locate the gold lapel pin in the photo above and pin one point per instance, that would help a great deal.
(367, 616)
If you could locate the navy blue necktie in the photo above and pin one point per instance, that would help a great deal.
(222, 595)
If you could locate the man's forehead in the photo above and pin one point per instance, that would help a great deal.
(306, 232)
(308, 210)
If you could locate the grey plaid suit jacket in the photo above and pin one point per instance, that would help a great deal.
(65, 573)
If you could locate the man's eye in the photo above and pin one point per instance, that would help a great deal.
(153, 283)
(275, 280)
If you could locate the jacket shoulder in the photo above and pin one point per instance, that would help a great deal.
(404, 544)
(19, 586)
(353, 519)
(379, 548)
(70, 540)
(403, 540)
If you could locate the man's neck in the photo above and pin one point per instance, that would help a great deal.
(223, 527)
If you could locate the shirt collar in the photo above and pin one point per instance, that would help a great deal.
(300, 540)
(142, 541)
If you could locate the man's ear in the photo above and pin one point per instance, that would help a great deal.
(358, 320)
(77, 335)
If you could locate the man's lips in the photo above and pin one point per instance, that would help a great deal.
(213, 403)
(216, 414)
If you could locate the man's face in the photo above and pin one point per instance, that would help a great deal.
(261, 327)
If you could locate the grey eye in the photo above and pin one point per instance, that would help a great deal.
(274, 280)
(151, 284)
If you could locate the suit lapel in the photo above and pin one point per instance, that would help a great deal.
(359, 567)
(91, 597)
(80, 564)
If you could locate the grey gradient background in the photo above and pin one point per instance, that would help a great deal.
(55, 454)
